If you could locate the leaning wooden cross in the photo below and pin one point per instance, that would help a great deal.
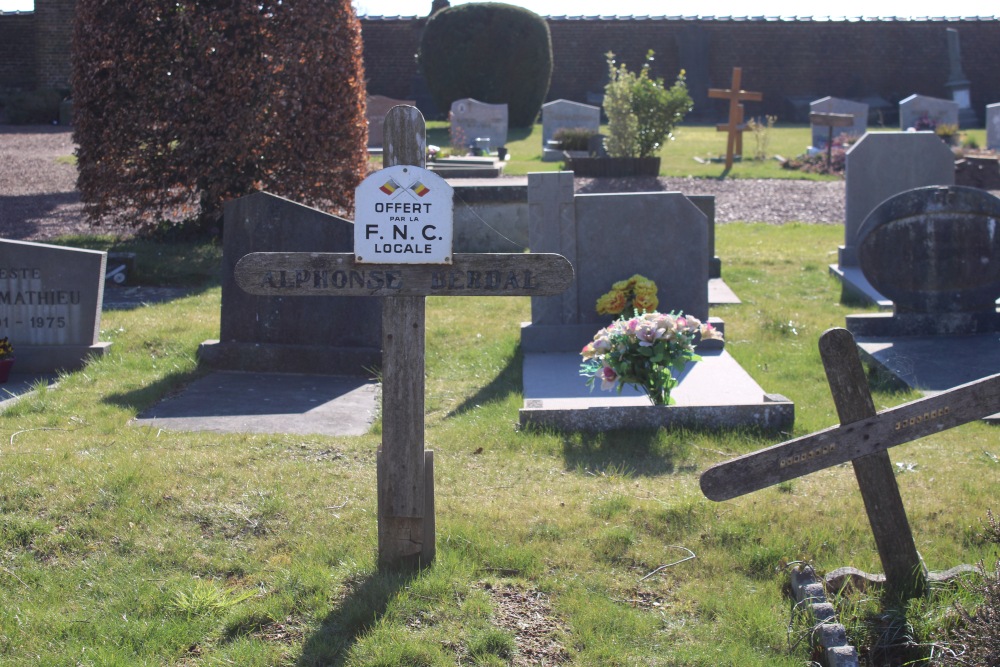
(862, 438)
(735, 125)
(403, 253)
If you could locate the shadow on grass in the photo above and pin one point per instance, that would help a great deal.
(359, 611)
(646, 452)
(508, 381)
(142, 398)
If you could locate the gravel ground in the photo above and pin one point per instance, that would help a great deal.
(39, 201)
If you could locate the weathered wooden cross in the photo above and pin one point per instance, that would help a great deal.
(735, 126)
(831, 120)
(862, 438)
(400, 224)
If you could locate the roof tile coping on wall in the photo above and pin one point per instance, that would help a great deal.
(699, 17)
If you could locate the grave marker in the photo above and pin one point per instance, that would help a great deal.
(734, 127)
(50, 304)
(405, 469)
(565, 115)
(472, 120)
(838, 105)
(830, 121)
(993, 126)
(917, 110)
(863, 438)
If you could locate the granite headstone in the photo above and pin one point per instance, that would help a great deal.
(883, 164)
(563, 115)
(859, 110)
(922, 112)
(993, 126)
(326, 335)
(50, 305)
(473, 121)
(935, 252)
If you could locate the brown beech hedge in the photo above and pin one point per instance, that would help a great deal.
(181, 105)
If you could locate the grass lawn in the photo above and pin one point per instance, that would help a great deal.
(125, 545)
(678, 156)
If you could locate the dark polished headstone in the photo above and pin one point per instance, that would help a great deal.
(935, 252)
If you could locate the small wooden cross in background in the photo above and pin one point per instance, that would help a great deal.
(735, 126)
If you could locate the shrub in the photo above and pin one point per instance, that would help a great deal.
(574, 138)
(491, 52)
(180, 105)
(642, 112)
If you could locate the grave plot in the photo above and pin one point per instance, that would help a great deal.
(664, 237)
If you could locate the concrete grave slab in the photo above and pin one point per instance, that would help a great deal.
(234, 402)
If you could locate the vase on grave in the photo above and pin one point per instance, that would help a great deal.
(609, 167)
(6, 365)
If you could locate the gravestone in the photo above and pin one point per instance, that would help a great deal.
(50, 305)
(935, 252)
(330, 335)
(838, 105)
(666, 239)
(993, 126)
(375, 111)
(883, 164)
(565, 115)
(923, 112)
(957, 82)
(472, 120)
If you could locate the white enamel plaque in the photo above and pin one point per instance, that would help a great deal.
(403, 215)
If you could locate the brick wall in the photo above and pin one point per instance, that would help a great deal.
(17, 51)
(790, 62)
(53, 50)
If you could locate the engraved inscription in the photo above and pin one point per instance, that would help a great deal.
(806, 456)
(919, 419)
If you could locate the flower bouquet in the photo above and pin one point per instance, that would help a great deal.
(6, 358)
(636, 293)
(644, 351)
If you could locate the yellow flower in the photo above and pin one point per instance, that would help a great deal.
(645, 302)
(611, 303)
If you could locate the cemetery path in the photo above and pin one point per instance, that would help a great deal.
(39, 200)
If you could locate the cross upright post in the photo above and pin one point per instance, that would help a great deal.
(734, 127)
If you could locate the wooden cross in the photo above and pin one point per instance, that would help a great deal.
(831, 120)
(404, 469)
(734, 127)
(862, 438)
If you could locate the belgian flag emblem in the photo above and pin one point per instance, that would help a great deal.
(389, 187)
(420, 189)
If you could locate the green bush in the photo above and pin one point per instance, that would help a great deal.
(642, 112)
(574, 138)
(181, 105)
(491, 52)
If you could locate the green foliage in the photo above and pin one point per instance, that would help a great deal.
(574, 138)
(642, 112)
(180, 106)
(491, 52)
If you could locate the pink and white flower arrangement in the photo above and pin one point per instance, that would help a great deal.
(644, 351)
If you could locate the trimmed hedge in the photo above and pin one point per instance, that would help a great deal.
(491, 52)
(181, 105)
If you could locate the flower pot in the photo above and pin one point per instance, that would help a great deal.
(5, 366)
(614, 166)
